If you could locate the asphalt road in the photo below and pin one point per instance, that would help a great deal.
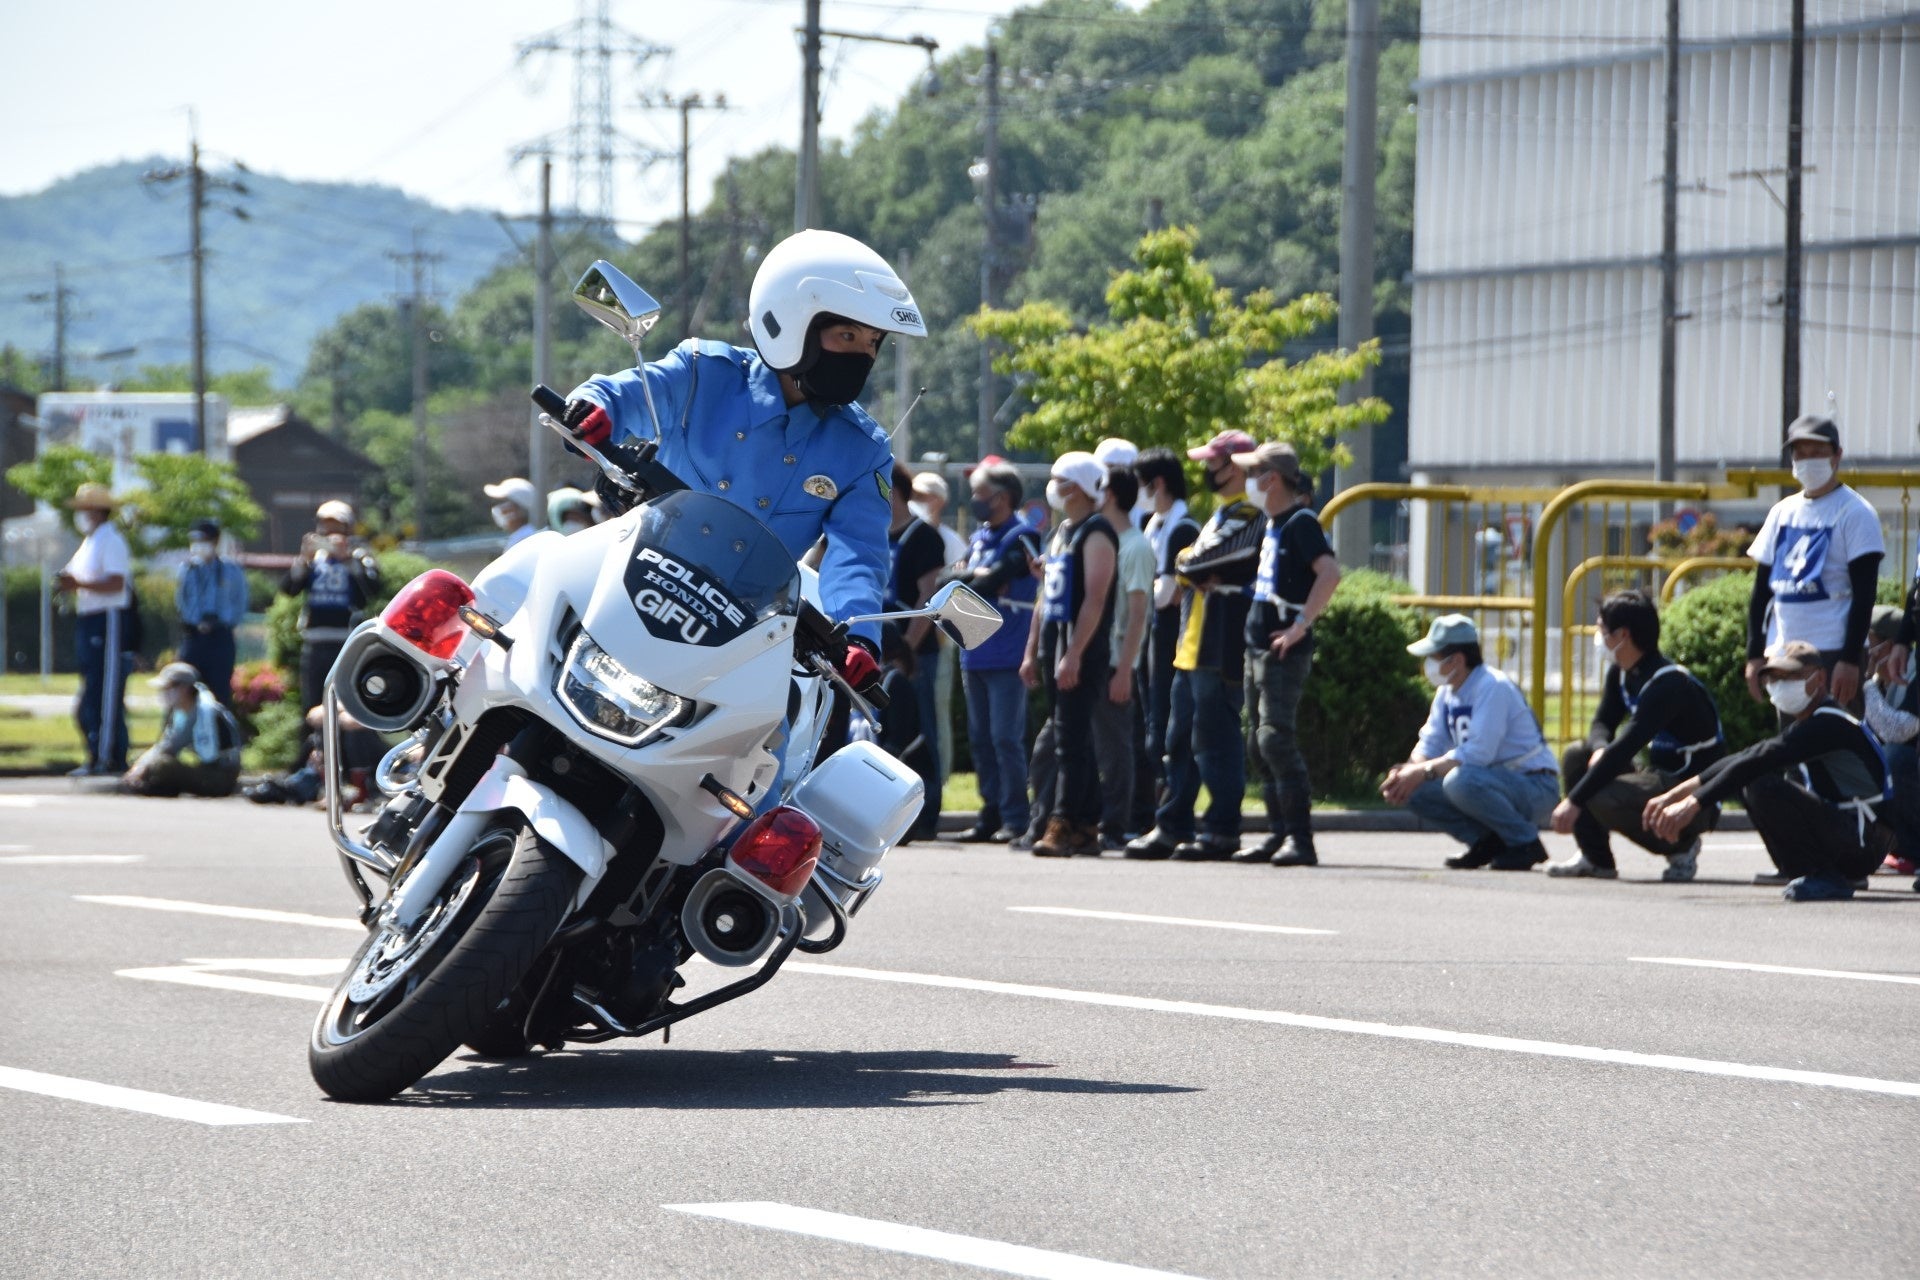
(1467, 1073)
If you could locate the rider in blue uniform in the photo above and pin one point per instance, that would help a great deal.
(774, 429)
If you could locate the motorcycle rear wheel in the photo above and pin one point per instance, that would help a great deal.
(408, 1000)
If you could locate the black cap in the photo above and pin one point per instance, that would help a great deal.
(1813, 426)
(203, 529)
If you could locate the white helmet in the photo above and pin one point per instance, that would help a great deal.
(817, 273)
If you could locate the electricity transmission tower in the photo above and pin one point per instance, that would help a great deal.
(598, 51)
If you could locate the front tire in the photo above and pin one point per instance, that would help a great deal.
(408, 1000)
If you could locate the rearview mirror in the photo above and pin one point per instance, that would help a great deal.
(964, 614)
(606, 294)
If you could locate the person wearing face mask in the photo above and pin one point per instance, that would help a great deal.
(1000, 556)
(774, 428)
(568, 511)
(1116, 452)
(198, 752)
(1818, 558)
(100, 576)
(1069, 652)
(1815, 792)
(1480, 770)
(1668, 714)
(930, 506)
(1170, 530)
(919, 557)
(1204, 742)
(212, 600)
(514, 502)
(338, 576)
(1892, 698)
(1294, 585)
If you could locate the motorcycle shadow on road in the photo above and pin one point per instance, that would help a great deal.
(750, 1079)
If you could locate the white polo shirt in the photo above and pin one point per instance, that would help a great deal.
(102, 554)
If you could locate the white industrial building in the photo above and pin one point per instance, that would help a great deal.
(1537, 235)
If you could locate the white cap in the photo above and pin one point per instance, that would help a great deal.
(335, 510)
(1083, 469)
(1115, 452)
(931, 483)
(516, 490)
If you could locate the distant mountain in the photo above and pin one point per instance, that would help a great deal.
(305, 253)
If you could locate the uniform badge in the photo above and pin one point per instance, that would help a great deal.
(822, 487)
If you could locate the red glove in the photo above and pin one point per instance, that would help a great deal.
(858, 668)
(588, 421)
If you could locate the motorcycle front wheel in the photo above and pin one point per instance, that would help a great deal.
(410, 997)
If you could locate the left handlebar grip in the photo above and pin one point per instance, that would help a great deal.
(550, 402)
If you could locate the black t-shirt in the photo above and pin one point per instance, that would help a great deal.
(1294, 542)
(1670, 712)
(1838, 760)
(917, 550)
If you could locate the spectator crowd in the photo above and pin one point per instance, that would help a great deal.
(1145, 655)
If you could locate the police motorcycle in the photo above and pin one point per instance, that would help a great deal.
(582, 810)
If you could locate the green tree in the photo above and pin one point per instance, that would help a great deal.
(184, 487)
(59, 470)
(1178, 360)
(240, 386)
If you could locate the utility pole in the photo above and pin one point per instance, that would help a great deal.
(1669, 250)
(806, 190)
(1353, 536)
(59, 296)
(415, 307)
(989, 188)
(1790, 283)
(686, 106)
(542, 325)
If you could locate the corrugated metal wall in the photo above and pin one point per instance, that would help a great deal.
(1537, 232)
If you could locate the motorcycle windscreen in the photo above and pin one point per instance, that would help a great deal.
(703, 571)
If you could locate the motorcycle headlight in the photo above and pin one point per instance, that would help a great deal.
(612, 702)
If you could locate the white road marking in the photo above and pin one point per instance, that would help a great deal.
(23, 802)
(15, 848)
(1429, 1035)
(190, 976)
(232, 913)
(47, 859)
(944, 1246)
(155, 1104)
(1780, 968)
(302, 967)
(1197, 924)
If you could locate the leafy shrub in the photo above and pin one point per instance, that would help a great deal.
(1366, 699)
(255, 685)
(276, 742)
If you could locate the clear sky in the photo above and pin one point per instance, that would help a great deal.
(428, 96)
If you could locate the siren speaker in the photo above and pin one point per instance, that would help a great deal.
(380, 684)
(728, 923)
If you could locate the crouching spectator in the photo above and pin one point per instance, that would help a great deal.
(1670, 715)
(198, 753)
(1821, 831)
(1481, 770)
(1893, 713)
(360, 752)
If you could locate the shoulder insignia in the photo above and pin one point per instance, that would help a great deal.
(886, 490)
(821, 487)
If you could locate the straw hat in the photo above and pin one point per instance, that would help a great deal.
(92, 496)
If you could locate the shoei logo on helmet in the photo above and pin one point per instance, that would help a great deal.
(904, 315)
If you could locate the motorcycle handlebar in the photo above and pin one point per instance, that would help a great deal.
(641, 473)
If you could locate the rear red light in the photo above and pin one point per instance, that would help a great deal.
(426, 613)
(779, 849)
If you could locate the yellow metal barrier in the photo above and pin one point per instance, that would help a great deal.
(1697, 564)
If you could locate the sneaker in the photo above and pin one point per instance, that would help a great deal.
(1581, 867)
(1155, 846)
(1295, 853)
(1208, 848)
(1895, 865)
(1817, 889)
(1683, 866)
(1772, 878)
(1519, 857)
(1478, 854)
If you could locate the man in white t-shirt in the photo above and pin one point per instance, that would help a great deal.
(1818, 558)
(100, 576)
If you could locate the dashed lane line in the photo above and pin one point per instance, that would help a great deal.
(231, 913)
(920, 1242)
(197, 976)
(153, 1104)
(1389, 1031)
(50, 859)
(1134, 918)
(1781, 968)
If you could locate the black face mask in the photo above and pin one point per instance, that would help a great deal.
(982, 509)
(1217, 481)
(837, 377)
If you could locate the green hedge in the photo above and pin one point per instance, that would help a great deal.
(397, 569)
(1705, 630)
(1365, 702)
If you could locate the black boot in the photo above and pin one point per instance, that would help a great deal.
(1478, 854)
(1296, 852)
(1262, 852)
(1519, 857)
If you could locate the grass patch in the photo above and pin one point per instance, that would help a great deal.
(52, 744)
(21, 682)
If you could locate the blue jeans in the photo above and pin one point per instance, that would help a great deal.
(926, 692)
(101, 712)
(997, 728)
(1477, 800)
(1204, 744)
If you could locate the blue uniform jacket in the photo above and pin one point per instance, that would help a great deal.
(728, 431)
